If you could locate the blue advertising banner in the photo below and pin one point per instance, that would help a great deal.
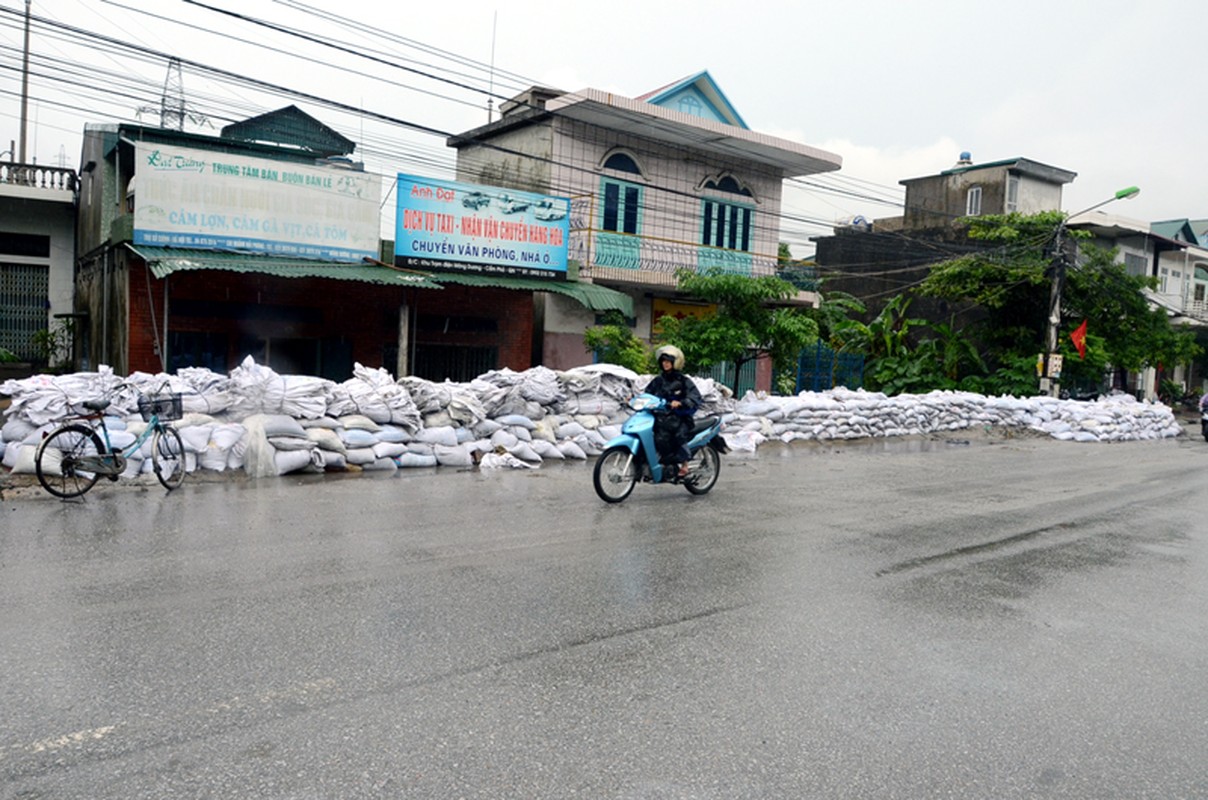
(464, 227)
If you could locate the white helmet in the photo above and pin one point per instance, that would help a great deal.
(671, 352)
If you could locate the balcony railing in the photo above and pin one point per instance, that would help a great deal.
(37, 176)
(625, 258)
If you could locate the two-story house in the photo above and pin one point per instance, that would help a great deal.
(1171, 252)
(668, 181)
(876, 261)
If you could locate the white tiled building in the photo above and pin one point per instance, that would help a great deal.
(670, 180)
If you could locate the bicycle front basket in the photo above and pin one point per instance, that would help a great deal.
(166, 406)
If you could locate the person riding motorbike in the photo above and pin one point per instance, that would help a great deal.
(673, 430)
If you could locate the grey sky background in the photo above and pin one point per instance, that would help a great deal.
(1107, 89)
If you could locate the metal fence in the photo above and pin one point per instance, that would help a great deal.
(819, 368)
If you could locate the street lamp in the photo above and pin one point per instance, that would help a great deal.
(1051, 366)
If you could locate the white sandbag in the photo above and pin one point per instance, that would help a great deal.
(570, 430)
(359, 422)
(510, 420)
(486, 427)
(445, 436)
(326, 439)
(542, 429)
(258, 456)
(333, 461)
(194, 437)
(437, 419)
(36, 436)
(410, 460)
(360, 456)
(357, 437)
(288, 461)
(420, 448)
(290, 442)
(524, 451)
(570, 449)
(331, 423)
(134, 465)
(256, 389)
(393, 433)
(380, 465)
(217, 454)
(389, 449)
(522, 433)
(10, 454)
(504, 438)
(547, 450)
(15, 429)
(456, 456)
(23, 464)
(281, 425)
(504, 460)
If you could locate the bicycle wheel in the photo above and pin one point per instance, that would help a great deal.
(612, 479)
(703, 471)
(168, 457)
(57, 460)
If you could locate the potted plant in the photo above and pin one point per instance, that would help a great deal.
(11, 366)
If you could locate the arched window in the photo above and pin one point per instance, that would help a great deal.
(726, 183)
(691, 106)
(622, 162)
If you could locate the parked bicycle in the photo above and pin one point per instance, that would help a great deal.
(72, 457)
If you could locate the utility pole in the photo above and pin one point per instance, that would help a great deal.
(1050, 361)
(1050, 379)
(24, 86)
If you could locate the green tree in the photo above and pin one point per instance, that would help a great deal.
(747, 325)
(835, 311)
(613, 342)
(1011, 283)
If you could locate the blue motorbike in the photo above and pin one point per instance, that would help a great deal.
(632, 456)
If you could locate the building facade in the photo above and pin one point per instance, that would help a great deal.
(265, 242)
(37, 261)
(672, 180)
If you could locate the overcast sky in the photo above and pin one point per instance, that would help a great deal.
(1107, 89)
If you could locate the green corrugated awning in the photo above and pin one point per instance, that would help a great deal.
(590, 295)
(164, 261)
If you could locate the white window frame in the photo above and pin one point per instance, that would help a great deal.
(1012, 201)
(973, 199)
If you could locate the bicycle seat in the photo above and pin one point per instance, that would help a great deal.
(95, 405)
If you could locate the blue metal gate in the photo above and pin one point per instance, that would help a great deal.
(819, 368)
(723, 373)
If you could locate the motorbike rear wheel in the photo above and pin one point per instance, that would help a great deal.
(613, 479)
(703, 470)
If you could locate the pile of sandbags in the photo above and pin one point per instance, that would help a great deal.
(270, 424)
(855, 414)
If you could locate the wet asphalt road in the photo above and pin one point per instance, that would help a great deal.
(982, 619)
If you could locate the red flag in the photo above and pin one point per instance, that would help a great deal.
(1079, 339)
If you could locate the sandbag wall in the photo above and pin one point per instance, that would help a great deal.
(266, 424)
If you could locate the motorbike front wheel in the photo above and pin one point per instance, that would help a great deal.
(703, 470)
(615, 474)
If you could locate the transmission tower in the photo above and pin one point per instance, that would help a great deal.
(172, 108)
